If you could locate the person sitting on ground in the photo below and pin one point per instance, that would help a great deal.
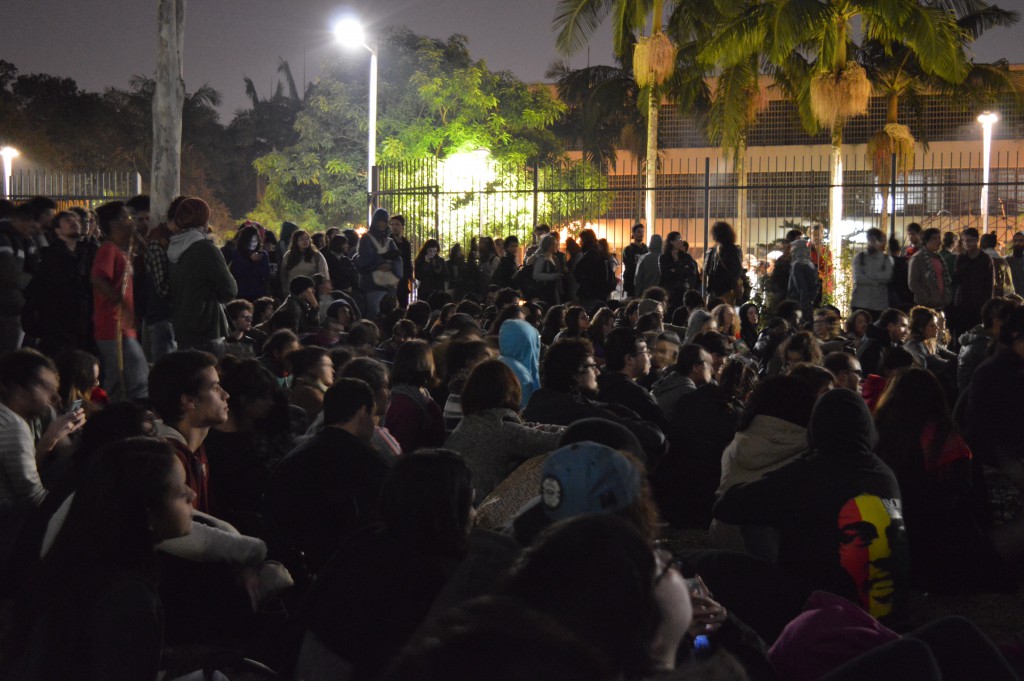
(237, 343)
(577, 321)
(855, 327)
(312, 375)
(663, 358)
(460, 356)
(923, 342)
(772, 432)
(841, 484)
(825, 326)
(692, 368)
(894, 361)
(891, 330)
(846, 370)
(698, 322)
(79, 373)
(301, 305)
(627, 360)
(519, 342)
(800, 348)
(413, 417)
(276, 350)
(327, 488)
(943, 502)
(380, 585)
(492, 437)
(102, 618)
(977, 344)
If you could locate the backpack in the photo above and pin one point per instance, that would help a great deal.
(523, 281)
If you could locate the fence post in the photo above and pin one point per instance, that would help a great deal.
(374, 190)
(536, 193)
(892, 193)
(704, 287)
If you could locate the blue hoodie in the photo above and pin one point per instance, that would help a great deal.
(520, 350)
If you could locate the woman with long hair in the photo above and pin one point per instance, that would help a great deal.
(678, 268)
(79, 373)
(577, 321)
(546, 270)
(302, 259)
(250, 264)
(943, 494)
(856, 326)
(489, 260)
(554, 320)
(600, 326)
(93, 607)
(458, 270)
(750, 319)
(431, 270)
(923, 343)
(723, 265)
(413, 417)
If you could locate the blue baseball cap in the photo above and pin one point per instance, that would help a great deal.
(587, 477)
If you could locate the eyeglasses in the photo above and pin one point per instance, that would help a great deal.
(587, 366)
(645, 351)
(246, 317)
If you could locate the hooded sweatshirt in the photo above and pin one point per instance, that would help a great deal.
(648, 271)
(520, 350)
(201, 284)
(838, 511)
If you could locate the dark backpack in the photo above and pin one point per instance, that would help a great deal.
(523, 281)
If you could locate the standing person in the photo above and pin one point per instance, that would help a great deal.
(121, 356)
(900, 295)
(591, 273)
(913, 240)
(201, 283)
(1001, 269)
(723, 265)
(431, 270)
(950, 249)
(539, 232)
(58, 300)
(974, 278)
(803, 277)
(458, 272)
(18, 261)
(872, 272)
(678, 270)
(502, 275)
(303, 259)
(489, 260)
(250, 264)
(630, 256)
(547, 271)
(379, 263)
(397, 225)
(344, 276)
(159, 327)
(648, 267)
(929, 280)
(1016, 262)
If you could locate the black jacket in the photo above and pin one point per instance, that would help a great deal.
(872, 349)
(592, 276)
(58, 300)
(343, 273)
(838, 510)
(502, 275)
(616, 388)
(322, 491)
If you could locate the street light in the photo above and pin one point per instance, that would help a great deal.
(349, 33)
(987, 120)
(9, 154)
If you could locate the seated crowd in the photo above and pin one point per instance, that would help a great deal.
(347, 461)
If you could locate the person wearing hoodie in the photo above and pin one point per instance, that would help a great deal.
(492, 437)
(890, 330)
(519, 342)
(838, 511)
(201, 283)
(648, 267)
(1016, 262)
(379, 263)
(772, 432)
(1003, 276)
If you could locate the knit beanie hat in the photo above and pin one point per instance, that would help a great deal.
(300, 284)
(193, 212)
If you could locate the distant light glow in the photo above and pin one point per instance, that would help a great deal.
(987, 120)
(8, 154)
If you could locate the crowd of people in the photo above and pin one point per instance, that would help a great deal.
(348, 458)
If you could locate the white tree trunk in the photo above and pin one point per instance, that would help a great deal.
(168, 100)
(653, 109)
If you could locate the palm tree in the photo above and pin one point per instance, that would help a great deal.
(898, 75)
(653, 58)
(808, 45)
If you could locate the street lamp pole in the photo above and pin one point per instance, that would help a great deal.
(9, 154)
(349, 33)
(987, 120)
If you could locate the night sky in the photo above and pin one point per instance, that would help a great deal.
(102, 43)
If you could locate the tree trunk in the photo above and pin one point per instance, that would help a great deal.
(653, 109)
(892, 108)
(168, 100)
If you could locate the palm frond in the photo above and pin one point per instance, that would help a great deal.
(576, 20)
(250, 91)
(286, 69)
(794, 22)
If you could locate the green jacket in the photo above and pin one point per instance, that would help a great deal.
(200, 285)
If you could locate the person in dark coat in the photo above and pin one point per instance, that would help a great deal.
(891, 330)
(974, 279)
(627, 359)
(838, 510)
(591, 273)
(328, 487)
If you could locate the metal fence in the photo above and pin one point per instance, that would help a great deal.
(453, 201)
(74, 188)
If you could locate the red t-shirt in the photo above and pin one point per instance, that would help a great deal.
(111, 265)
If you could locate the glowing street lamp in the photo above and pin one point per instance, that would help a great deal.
(349, 33)
(9, 154)
(987, 120)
